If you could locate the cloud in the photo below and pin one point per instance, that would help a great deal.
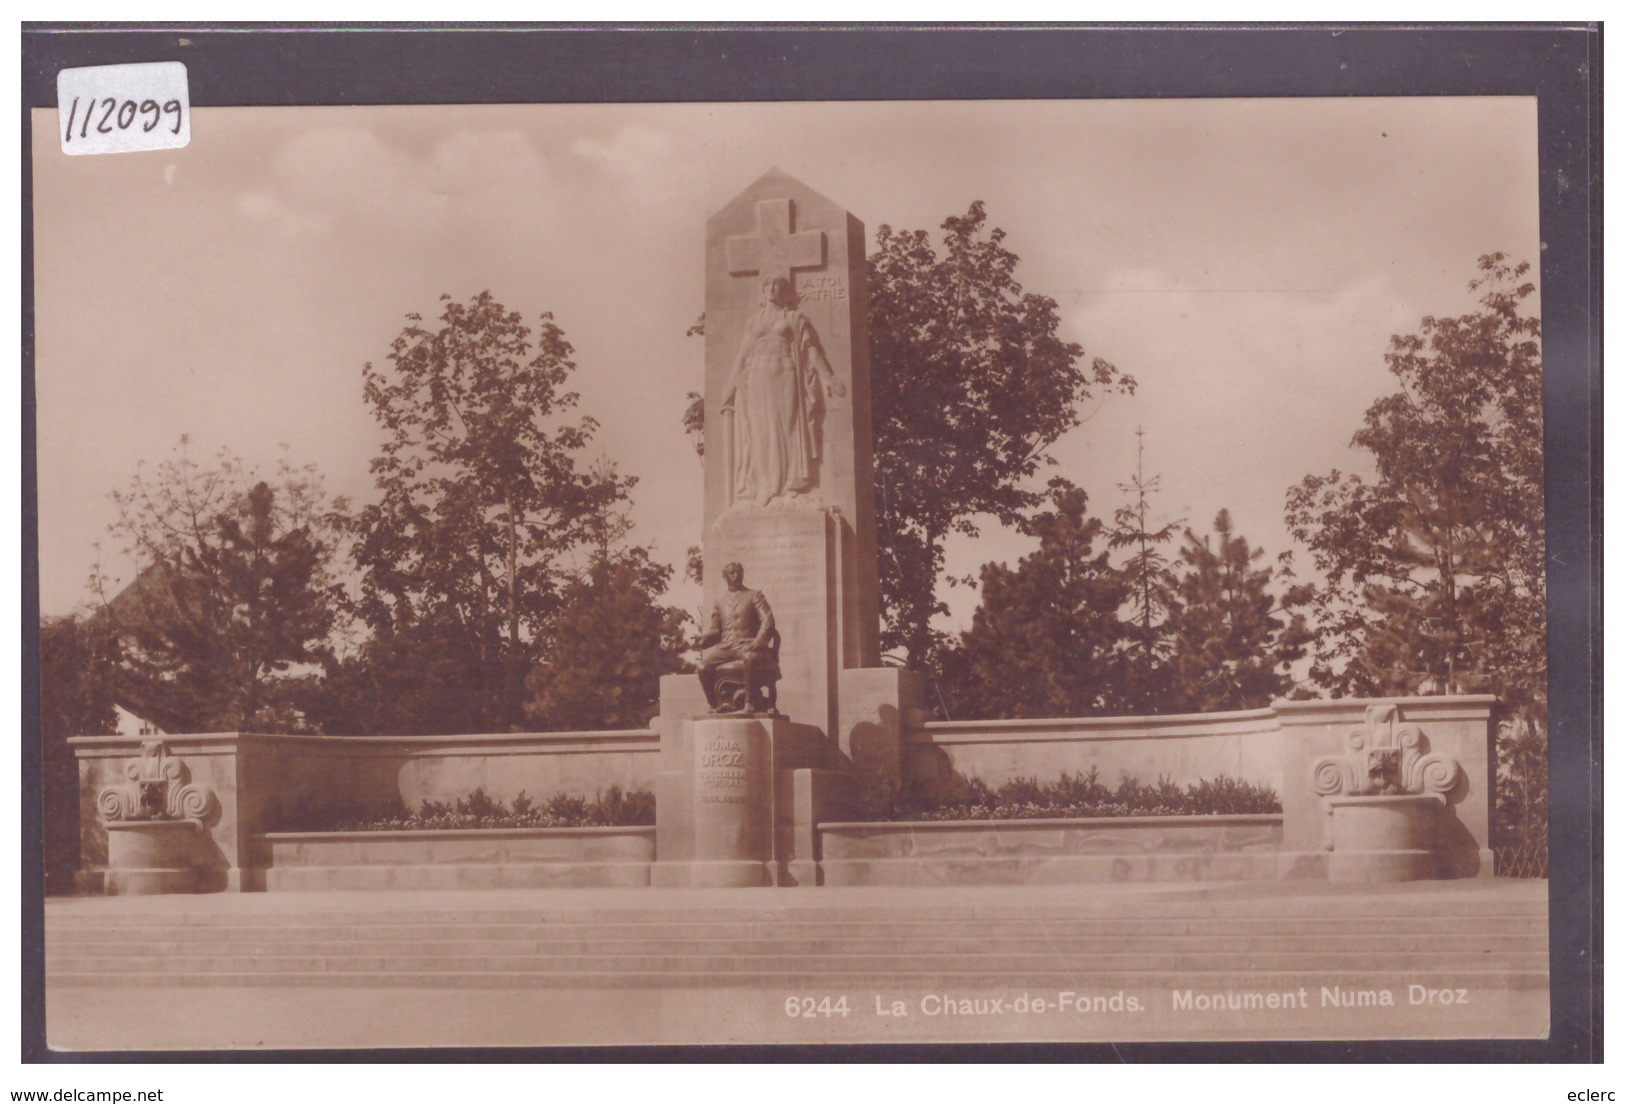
(350, 177)
(266, 205)
(340, 167)
(500, 162)
(642, 163)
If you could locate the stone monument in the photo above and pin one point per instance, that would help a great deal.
(789, 496)
(789, 484)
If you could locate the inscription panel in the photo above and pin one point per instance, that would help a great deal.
(777, 565)
(720, 774)
(812, 289)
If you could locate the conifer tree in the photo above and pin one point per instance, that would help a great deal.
(1147, 650)
(1232, 640)
(1045, 640)
(599, 665)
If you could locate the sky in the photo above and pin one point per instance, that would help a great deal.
(1245, 260)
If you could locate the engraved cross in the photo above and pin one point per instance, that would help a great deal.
(775, 250)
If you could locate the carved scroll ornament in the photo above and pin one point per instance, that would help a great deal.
(1385, 757)
(159, 789)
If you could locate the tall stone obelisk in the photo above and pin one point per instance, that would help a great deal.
(789, 474)
(789, 495)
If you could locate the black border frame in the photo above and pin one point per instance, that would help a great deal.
(1559, 64)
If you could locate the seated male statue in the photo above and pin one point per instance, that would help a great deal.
(741, 631)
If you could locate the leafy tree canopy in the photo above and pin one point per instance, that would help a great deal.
(78, 685)
(234, 589)
(972, 384)
(610, 645)
(483, 501)
(1434, 567)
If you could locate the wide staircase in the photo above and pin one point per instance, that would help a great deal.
(1478, 936)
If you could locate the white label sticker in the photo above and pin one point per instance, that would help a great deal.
(123, 108)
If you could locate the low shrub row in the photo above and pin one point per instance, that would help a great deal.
(1084, 795)
(613, 808)
(1071, 796)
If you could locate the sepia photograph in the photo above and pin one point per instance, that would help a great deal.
(845, 572)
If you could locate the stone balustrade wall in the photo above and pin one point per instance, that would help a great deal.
(1278, 747)
(264, 783)
(942, 756)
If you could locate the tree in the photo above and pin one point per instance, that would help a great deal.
(78, 661)
(78, 685)
(1146, 674)
(694, 422)
(1520, 799)
(482, 504)
(609, 647)
(1045, 641)
(972, 385)
(1434, 568)
(601, 662)
(418, 678)
(1233, 641)
(233, 590)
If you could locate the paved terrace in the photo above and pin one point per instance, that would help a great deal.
(193, 1014)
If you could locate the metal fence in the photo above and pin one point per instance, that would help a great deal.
(1521, 860)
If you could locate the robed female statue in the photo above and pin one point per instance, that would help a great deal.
(776, 401)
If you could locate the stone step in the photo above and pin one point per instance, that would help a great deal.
(858, 983)
(144, 928)
(1124, 938)
(1338, 909)
(749, 960)
(296, 941)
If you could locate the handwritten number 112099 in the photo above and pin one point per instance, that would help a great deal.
(121, 114)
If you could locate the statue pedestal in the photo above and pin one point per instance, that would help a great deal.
(727, 840)
(739, 798)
